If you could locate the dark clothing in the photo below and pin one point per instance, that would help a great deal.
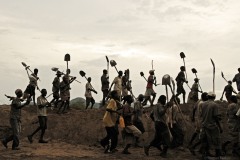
(139, 126)
(56, 87)
(30, 89)
(42, 122)
(112, 134)
(15, 122)
(105, 82)
(237, 80)
(127, 115)
(89, 100)
(228, 91)
(180, 80)
(178, 136)
(105, 87)
(161, 135)
(210, 130)
(137, 117)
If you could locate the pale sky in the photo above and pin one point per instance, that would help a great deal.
(132, 32)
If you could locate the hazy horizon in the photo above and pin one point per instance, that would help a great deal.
(132, 32)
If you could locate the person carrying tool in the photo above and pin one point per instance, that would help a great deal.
(210, 126)
(130, 131)
(162, 134)
(30, 90)
(125, 82)
(180, 80)
(138, 112)
(149, 89)
(193, 95)
(228, 90)
(118, 84)
(105, 85)
(237, 79)
(56, 89)
(88, 94)
(175, 123)
(197, 110)
(65, 93)
(15, 120)
(233, 127)
(109, 143)
(42, 105)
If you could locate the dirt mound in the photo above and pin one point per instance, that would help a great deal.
(81, 130)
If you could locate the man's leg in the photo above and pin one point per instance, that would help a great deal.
(43, 126)
(93, 102)
(87, 102)
(15, 124)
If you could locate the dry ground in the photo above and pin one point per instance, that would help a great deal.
(75, 135)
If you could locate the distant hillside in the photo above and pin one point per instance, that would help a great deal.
(80, 103)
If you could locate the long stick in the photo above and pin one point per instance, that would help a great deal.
(213, 75)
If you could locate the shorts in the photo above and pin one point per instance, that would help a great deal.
(30, 90)
(90, 99)
(180, 89)
(150, 92)
(42, 122)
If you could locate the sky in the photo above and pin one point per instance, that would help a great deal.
(131, 32)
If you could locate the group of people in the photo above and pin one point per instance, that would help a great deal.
(168, 122)
(118, 102)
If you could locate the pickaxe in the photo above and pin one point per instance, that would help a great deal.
(83, 74)
(56, 69)
(195, 72)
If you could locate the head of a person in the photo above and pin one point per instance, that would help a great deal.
(65, 79)
(230, 82)
(44, 92)
(196, 80)
(151, 72)
(18, 93)
(211, 95)
(204, 96)
(68, 71)
(140, 97)
(105, 71)
(239, 70)
(162, 99)
(120, 73)
(35, 71)
(233, 99)
(59, 74)
(89, 79)
(114, 94)
(182, 68)
(128, 99)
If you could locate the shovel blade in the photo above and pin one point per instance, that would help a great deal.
(67, 57)
(166, 80)
(182, 55)
(54, 69)
(194, 70)
(82, 73)
(113, 63)
(24, 64)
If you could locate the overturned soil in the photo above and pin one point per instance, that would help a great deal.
(76, 135)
